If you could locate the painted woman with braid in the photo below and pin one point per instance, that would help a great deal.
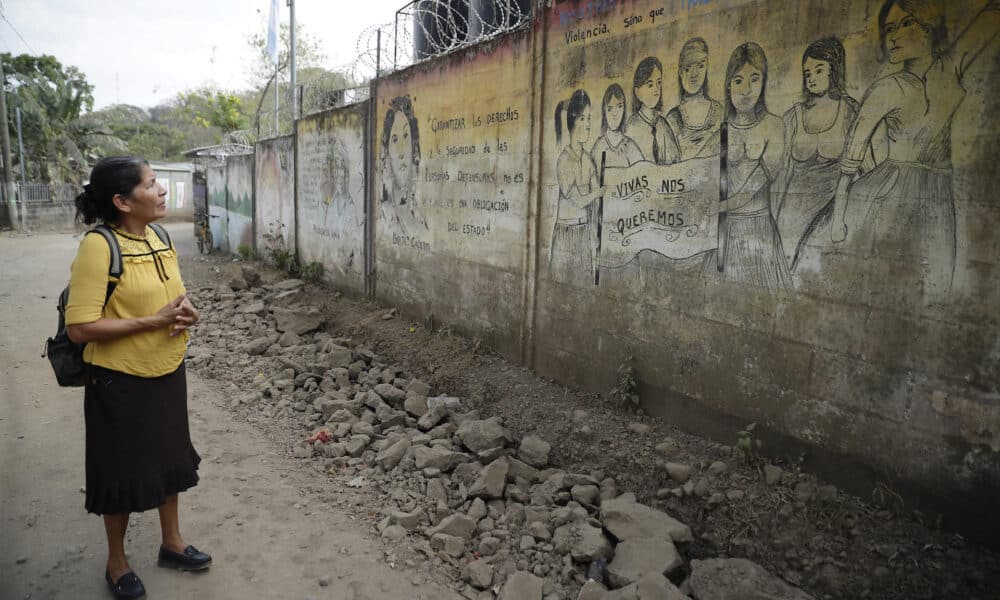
(572, 241)
(646, 125)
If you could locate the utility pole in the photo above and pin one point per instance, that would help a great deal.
(20, 149)
(8, 174)
(291, 59)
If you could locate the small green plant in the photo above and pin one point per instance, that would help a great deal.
(626, 392)
(312, 271)
(745, 442)
(246, 252)
(281, 257)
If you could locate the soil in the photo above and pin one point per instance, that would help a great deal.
(815, 536)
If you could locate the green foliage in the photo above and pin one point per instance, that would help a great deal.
(283, 259)
(312, 271)
(246, 252)
(626, 392)
(746, 444)
(52, 97)
(207, 107)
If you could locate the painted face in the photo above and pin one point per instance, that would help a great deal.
(693, 73)
(816, 75)
(400, 146)
(581, 128)
(148, 199)
(745, 88)
(650, 91)
(905, 37)
(614, 112)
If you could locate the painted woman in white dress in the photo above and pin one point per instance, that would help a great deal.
(618, 149)
(571, 258)
(749, 250)
(816, 128)
(400, 165)
(902, 213)
(697, 118)
(646, 125)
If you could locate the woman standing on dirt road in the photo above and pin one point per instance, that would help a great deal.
(139, 452)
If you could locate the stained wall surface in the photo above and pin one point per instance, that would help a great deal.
(452, 157)
(239, 201)
(331, 212)
(834, 277)
(274, 192)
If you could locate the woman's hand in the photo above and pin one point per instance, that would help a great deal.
(838, 231)
(188, 316)
(169, 314)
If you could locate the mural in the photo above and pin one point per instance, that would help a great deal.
(400, 152)
(239, 201)
(274, 208)
(831, 177)
(331, 193)
(218, 216)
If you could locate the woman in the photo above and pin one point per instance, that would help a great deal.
(619, 149)
(749, 250)
(400, 161)
(646, 126)
(695, 120)
(903, 209)
(572, 239)
(138, 445)
(816, 128)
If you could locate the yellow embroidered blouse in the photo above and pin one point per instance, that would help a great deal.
(150, 279)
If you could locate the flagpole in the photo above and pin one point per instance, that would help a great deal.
(277, 95)
(291, 59)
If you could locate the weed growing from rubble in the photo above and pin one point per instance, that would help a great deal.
(626, 392)
(312, 272)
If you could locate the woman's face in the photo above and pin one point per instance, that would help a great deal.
(649, 92)
(148, 199)
(745, 88)
(905, 37)
(816, 75)
(400, 146)
(615, 112)
(581, 128)
(693, 73)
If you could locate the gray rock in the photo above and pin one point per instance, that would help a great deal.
(338, 357)
(357, 444)
(478, 510)
(678, 472)
(391, 394)
(431, 418)
(254, 308)
(448, 402)
(534, 451)
(393, 533)
(408, 520)
(297, 321)
(522, 470)
(451, 545)
(592, 591)
(639, 428)
(257, 346)
(737, 579)
(489, 545)
(303, 451)
(457, 525)
(522, 585)
(491, 480)
(415, 405)
(626, 519)
(437, 458)
(588, 495)
(418, 387)
(389, 457)
(636, 558)
(288, 284)
(479, 435)
(540, 531)
(717, 468)
(363, 428)
(478, 573)
(436, 492)
(581, 540)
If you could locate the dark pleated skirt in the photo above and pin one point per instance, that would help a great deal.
(139, 448)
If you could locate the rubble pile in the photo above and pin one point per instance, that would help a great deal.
(466, 489)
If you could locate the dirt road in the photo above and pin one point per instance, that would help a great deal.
(270, 537)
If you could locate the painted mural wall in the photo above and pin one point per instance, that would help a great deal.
(783, 212)
(274, 199)
(331, 217)
(239, 198)
(215, 179)
(452, 158)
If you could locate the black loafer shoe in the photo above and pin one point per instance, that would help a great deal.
(190, 560)
(128, 586)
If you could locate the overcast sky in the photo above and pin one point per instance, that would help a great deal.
(143, 52)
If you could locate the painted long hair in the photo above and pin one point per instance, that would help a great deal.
(614, 91)
(928, 13)
(695, 44)
(401, 104)
(574, 107)
(748, 53)
(642, 74)
(831, 51)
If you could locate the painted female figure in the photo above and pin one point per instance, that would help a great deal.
(695, 120)
(646, 125)
(904, 209)
(619, 149)
(400, 160)
(572, 243)
(816, 128)
(749, 250)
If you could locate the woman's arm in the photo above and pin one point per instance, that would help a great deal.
(975, 37)
(175, 314)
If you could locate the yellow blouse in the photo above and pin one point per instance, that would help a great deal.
(150, 279)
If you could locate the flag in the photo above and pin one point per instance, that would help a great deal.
(272, 32)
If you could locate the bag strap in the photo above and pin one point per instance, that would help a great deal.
(115, 267)
(161, 232)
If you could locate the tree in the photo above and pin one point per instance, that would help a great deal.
(52, 97)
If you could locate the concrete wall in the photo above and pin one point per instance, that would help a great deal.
(881, 347)
(41, 216)
(452, 161)
(179, 183)
(218, 222)
(331, 211)
(239, 201)
(274, 199)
